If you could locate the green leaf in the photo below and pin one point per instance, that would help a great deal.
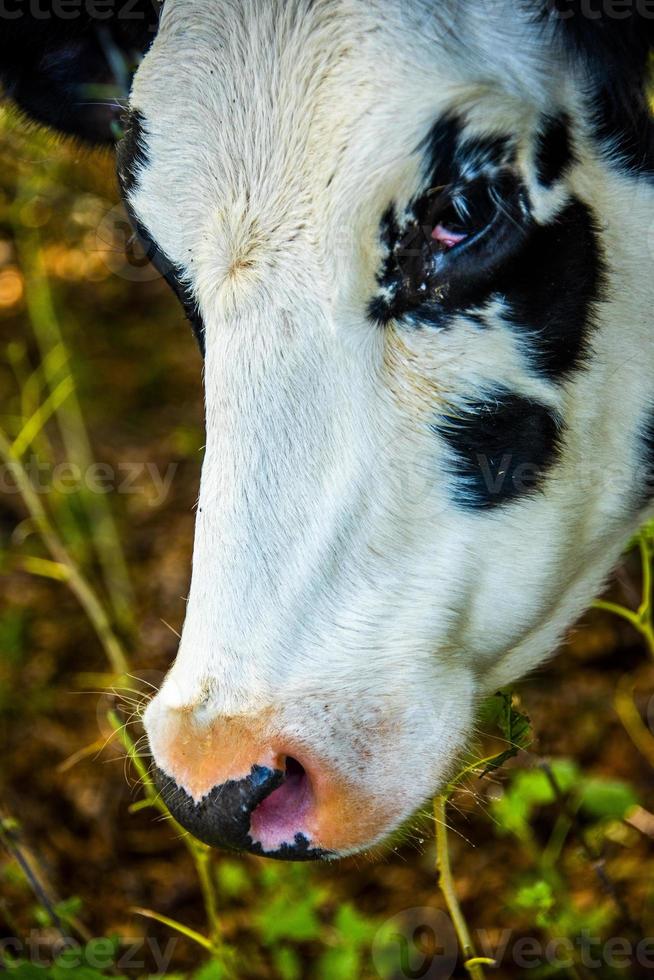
(295, 920)
(69, 908)
(42, 917)
(233, 879)
(59, 972)
(95, 960)
(536, 895)
(529, 789)
(511, 814)
(343, 963)
(213, 970)
(537, 898)
(355, 929)
(606, 799)
(566, 774)
(287, 963)
(71, 965)
(500, 713)
(25, 971)
(534, 785)
(102, 953)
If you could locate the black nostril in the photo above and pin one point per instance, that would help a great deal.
(222, 817)
(294, 770)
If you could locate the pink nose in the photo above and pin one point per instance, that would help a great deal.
(235, 783)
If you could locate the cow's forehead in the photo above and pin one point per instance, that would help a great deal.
(291, 109)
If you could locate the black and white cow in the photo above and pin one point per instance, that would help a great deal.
(415, 239)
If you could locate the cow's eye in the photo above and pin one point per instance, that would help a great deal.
(447, 236)
(458, 214)
(451, 241)
(453, 221)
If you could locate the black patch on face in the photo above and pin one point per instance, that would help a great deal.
(173, 275)
(478, 319)
(554, 153)
(647, 492)
(132, 158)
(625, 131)
(546, 278)
(447, 151)
(550, 287)
(222, 817)
(502, 449)
(473, 193)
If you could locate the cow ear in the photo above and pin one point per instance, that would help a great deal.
(69, 64)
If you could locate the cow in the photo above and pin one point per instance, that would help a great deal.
(414, 240)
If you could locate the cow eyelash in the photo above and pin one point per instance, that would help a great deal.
(446, 222)
(465, 209)
(451, 239)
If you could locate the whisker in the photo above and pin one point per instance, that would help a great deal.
(172, 630)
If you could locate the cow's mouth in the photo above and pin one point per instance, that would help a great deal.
(282, 814)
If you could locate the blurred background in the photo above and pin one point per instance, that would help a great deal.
(101, 434)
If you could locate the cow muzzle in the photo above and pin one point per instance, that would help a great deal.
(237, 783)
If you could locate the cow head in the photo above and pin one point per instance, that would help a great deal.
(415, 241)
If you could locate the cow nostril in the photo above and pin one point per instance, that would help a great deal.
(267, 812)
(282, 814)
(294, 771)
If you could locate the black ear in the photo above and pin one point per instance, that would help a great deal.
(69, 63)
